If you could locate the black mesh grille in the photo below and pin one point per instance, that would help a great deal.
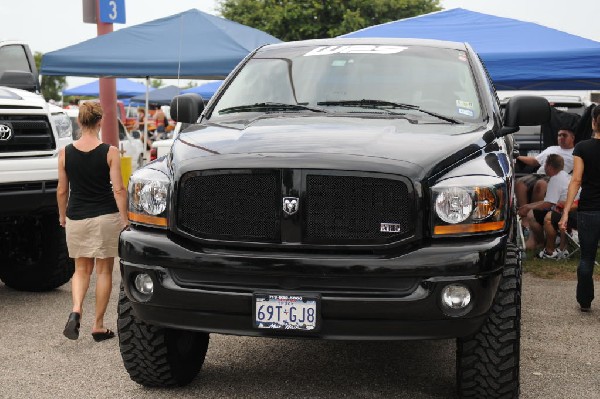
(231, 206)
(29, 133)
(310, 280)
(343, 208)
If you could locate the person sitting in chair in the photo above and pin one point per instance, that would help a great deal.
(532, 188)
(551, 230)
(557, 191)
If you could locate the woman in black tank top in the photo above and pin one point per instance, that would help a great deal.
(586, 174)
(92, 205)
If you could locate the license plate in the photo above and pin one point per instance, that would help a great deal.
(285, 312)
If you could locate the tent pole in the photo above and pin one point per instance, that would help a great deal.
(146, 138)
(107, 90)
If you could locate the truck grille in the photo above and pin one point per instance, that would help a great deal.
(353, 208)
(29, 133)
(231, 206)
(336, 208)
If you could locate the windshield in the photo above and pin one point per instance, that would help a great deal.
(14, 58)
(406, 80)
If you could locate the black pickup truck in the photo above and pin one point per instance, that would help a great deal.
(356, 189)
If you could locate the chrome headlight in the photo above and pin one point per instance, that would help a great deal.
(453, 204)
(470, 204)
(63, 125)
(148, 197)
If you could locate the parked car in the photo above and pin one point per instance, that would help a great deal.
(129, 115)
(132, 146)
(162, 147)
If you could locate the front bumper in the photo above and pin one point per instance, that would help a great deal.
(361, 297)
(27, 198)
(28, 185)
(32, 168)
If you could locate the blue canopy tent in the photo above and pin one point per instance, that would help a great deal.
(206, 90)
(125, 88)
(518, 55)
(162, 96)
(190, 44)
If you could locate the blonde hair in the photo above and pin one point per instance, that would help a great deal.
(90, 113)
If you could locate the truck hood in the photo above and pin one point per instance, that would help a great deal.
(11, 96)
(315, 141)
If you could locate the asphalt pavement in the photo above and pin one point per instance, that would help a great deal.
(560, 357)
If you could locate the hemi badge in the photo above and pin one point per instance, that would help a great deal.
(390, 228)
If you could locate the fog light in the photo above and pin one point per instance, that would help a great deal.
(456, 297)
(143, 283)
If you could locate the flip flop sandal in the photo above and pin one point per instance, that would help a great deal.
(71, 330)
(101, 336)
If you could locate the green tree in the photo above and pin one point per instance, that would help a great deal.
(52, 86)
(156, 83)
(190, 84)
(312, 19)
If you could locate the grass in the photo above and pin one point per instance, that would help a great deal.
(564, 269)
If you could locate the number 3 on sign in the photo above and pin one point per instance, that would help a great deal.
(113, 9)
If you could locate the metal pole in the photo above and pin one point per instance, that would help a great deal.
(146, 138)
(108, 94)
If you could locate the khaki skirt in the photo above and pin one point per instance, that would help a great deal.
(96, 237)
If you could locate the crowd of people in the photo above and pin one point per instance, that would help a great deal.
(554, 188)
(158, 124)
(544, 191)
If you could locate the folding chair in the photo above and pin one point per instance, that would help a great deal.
(572, 243)
(520, 237)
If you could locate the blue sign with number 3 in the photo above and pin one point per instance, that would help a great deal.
(112, 11)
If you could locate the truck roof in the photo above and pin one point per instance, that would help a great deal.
(375, 40)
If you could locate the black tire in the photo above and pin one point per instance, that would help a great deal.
(37, 258)
(487, 363)
(156, 356)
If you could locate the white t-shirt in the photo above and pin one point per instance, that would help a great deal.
(555, 149)
(557, 187)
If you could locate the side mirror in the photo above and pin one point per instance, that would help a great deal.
(525, 111)
(187, 108)
(19, 80)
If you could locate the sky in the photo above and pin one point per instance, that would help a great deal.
(48, 25)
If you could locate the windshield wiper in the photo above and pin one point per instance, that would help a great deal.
(270, 106)
(440, 116)
(378, 104)
(368, 103)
